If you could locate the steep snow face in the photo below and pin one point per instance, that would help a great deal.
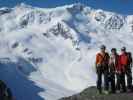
(61, 43)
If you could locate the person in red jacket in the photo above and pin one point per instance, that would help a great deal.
(121, 70)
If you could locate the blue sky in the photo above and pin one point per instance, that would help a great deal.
(119, 6)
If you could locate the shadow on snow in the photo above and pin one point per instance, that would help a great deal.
(21, 87)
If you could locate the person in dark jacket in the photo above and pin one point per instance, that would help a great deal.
(129, 72)
(113, 64)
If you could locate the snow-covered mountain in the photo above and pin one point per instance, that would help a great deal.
(55, 48)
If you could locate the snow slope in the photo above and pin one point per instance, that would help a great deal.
(47, 54)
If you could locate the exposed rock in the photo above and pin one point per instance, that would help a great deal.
(90, 94)
(114, 22)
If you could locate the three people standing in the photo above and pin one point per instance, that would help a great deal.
(114, 68)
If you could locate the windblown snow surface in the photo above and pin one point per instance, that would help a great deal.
(46, 54)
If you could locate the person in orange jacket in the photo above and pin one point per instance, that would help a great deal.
(102, 61)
